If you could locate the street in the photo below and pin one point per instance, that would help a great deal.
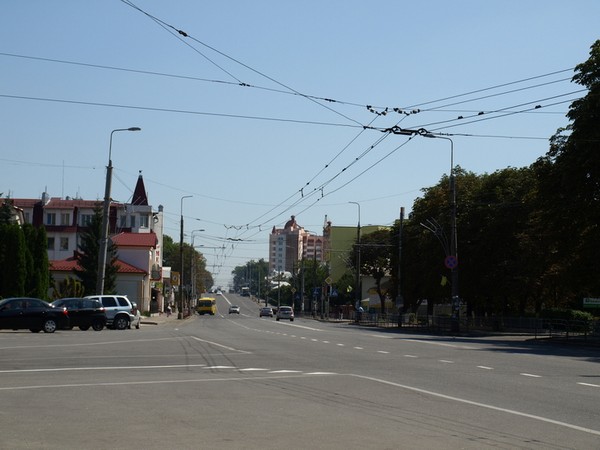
(244, 382)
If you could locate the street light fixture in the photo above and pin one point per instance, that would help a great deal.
(357, 294)
(180, 312)
(105, 209)
(451, 261)
(193, 264)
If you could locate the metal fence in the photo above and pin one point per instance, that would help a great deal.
(538, 327)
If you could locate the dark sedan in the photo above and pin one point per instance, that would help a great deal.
(34, 314)
(83, 312)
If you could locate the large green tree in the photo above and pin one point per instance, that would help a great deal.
(87, 257)
(568, 214)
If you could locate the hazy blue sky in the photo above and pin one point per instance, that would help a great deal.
(235, 114)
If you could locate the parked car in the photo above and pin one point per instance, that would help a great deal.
(285, 312)
(120, 312)
(266, 312)
(234, 309)
(83, 312)
(34, 314)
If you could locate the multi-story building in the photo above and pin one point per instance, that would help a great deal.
(134, 227)
(291, 244)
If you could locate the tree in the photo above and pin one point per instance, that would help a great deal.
(568, 199)
(87, 257)
(38, 275)
(69, 287)
(13, 260)
(375, 259)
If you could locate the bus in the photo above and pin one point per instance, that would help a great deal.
(206, 305)
(245, 291)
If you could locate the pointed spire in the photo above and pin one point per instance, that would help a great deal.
(139, 194)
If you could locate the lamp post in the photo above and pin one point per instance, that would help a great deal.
(452, 259)
(105, 209)
(180, 312)
(193, 265)
(357, 294)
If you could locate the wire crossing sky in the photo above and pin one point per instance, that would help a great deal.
(263, 110)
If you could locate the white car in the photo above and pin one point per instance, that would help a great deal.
(234, 309)
(285, 312)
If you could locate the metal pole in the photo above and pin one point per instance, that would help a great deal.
(358, 294)
(180, 312)
(399, 299)
(105, 211)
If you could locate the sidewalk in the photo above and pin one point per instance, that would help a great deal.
(157, 319)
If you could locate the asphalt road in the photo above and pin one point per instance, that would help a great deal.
(241, 382)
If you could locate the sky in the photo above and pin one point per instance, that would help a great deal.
(264, 109)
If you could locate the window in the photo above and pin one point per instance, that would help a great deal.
(123, 221)
(51, 219)
(86, 220)
(65, 219)
(143, 221)
(50, 243)
(108, 302)
(64, 243)
(132, 221)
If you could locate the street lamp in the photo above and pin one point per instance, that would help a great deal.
(193, 264)
(451, 259)
(357, 294)
(180, 312)
(104, 231)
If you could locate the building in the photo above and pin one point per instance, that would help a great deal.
(135, 227)
(291, 244)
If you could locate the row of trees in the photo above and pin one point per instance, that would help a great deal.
(194, 271)
(23, 258)
(528, 238)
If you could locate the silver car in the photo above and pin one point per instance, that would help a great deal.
(285, 312)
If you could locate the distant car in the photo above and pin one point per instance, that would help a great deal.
(234, 309)
(266, 312)
(34, 314)
(83, 312)
(285, 312)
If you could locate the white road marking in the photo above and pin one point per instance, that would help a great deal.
(285, 371)
(219, 345)
(358, 348)
(481, 405)
(410, 356)
(443, 344)
(68, 369)
(590, 384)
(341, 345)
(220, 367)
(446, 361)
(530, 375)
(485, 367)
(252, 369)
(382, 351)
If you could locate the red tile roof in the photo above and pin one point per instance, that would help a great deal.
(135, 239)
(69, 264)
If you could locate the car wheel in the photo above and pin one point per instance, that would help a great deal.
(35, 330)
(84, 327)
(97, 325)
(291, 320)
(120, 323)
(49, 326)
(278, 319)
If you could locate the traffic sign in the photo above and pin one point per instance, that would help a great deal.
(451, 262)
